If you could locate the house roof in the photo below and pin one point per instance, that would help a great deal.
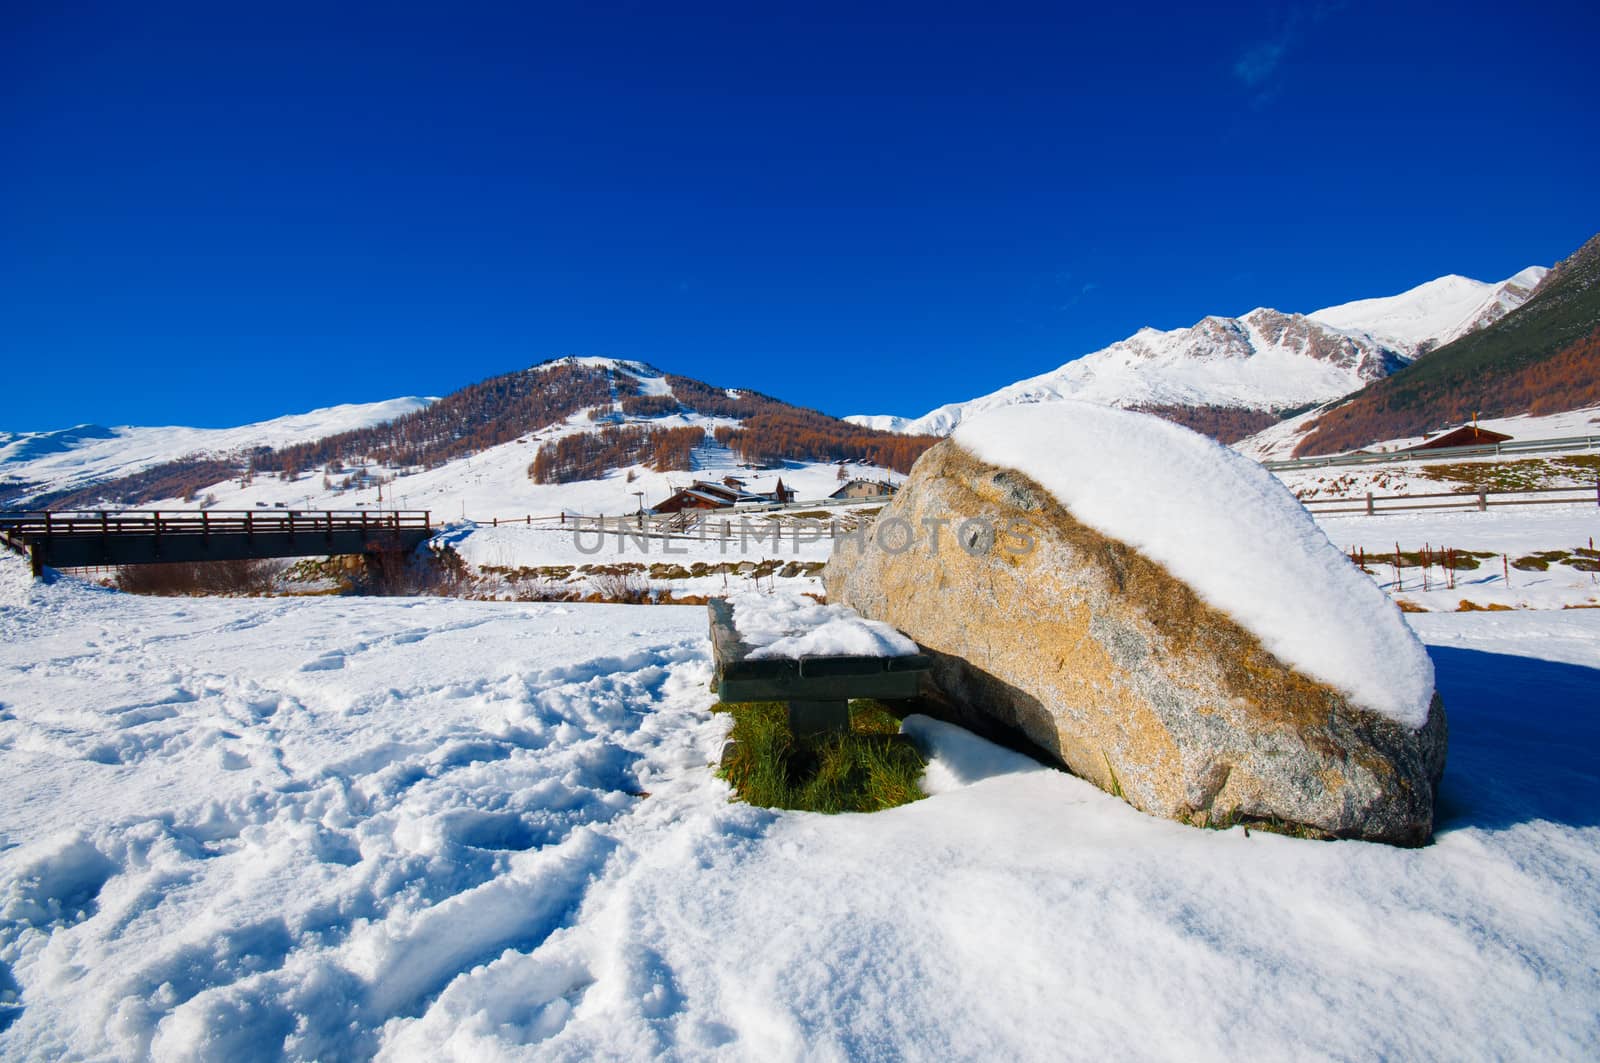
(1466, 436)
(884, 486)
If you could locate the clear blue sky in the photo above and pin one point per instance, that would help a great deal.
(218, 213)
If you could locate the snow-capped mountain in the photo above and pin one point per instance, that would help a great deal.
(88, 453)
(1432, 314)
(1265, 360)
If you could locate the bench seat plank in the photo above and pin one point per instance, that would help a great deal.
(807, 678)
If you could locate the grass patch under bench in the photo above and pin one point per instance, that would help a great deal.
(869, 769)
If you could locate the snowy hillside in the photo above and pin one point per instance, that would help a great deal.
(87, 454)
(482, 485)
(495, 482)
(1262, 361)
(1265, 360)
(1277, 442)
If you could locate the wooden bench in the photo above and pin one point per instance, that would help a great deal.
(817, 690)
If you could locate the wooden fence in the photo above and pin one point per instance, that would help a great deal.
(1374, 505)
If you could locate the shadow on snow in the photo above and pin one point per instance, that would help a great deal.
(1523, 740)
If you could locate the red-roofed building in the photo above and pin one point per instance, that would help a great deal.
(1468, 435)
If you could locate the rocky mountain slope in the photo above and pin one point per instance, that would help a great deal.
(1265, 362)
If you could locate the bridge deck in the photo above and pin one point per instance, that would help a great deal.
(141, 537)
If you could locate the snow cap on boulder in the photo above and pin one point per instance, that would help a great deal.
(1229, 529)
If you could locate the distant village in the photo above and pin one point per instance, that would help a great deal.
(733, 491)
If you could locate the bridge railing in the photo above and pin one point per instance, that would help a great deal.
(32, 524)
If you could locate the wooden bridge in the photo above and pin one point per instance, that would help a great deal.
(143, 537)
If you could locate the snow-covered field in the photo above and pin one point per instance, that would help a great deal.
(426, 828)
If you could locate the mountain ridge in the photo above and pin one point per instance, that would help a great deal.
(1265, 360)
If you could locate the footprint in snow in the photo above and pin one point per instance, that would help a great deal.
(328, 662)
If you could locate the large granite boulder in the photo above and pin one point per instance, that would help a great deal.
(1271, 683)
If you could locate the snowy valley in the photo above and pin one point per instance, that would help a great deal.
(340, 828)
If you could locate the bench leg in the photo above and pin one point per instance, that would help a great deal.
(818, 717)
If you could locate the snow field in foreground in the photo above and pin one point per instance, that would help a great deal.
(414, 828)
(1227, 528)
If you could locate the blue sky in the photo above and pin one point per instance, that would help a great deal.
(218, 213)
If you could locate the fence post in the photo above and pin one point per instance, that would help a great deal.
(1369, 503)
(1483, 501)
(157, 518)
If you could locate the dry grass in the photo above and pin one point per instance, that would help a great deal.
(867, 770)
(1527, 474)
(1473, 607)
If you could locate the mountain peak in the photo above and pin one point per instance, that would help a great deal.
(1432, 313)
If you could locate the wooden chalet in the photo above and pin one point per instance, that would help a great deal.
(703, 494)
(699, 495)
